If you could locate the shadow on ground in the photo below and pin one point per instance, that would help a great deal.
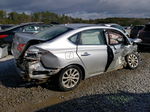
(119, 102)
(9, 77)
(8, 74)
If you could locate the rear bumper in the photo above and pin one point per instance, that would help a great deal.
(35, 71)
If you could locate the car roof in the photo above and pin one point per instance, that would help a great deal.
(110, 24)
(80, 25)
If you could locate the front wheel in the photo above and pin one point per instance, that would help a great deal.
(132, 61)
(69, 78)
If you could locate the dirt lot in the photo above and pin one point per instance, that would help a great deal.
(118, 91)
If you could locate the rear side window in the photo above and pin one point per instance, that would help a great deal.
(92, 37)
(73, 39)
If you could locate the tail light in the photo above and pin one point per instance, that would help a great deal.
(3, 36)
(20, 47)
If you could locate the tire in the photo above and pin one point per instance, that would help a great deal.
(132, 61)
(69, 78)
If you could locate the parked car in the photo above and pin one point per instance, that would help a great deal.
(144, 35)
(118, 26)
(6, 36)
(5, 26)
(135, 30)
(73, 53)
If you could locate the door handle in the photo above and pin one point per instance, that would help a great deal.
(85, 54)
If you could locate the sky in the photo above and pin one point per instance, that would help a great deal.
(86, 9)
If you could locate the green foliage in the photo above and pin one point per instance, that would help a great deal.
(49, 17)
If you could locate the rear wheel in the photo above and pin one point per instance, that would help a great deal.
(69, 78)
(132, 61)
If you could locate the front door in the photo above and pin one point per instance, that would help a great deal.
(118, 44)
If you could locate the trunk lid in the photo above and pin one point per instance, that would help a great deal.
(21, 42)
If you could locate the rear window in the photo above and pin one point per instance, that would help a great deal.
(137, 27)
(52, 32)
(147, 28)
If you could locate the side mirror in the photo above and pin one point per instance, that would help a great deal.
(136, 40)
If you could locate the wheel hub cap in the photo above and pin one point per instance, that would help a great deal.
(70, 78)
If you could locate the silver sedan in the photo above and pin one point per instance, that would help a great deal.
(72, 53)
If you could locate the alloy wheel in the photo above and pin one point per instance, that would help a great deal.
(133, 60)
(70, 78)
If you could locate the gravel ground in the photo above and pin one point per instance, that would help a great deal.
(118, 91)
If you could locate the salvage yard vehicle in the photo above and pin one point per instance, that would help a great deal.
(5, 26)
(6, 36)
(144, 35)
(73, 53)
(135, 30)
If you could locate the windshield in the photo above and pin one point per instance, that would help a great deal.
(52, 32)
(119, 27)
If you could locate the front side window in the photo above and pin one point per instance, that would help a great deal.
(115, 37)
(92, 37)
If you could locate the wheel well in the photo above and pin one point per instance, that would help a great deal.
(82, 69)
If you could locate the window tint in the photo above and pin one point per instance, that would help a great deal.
(73, 39)
(115, 37)
(92, 37)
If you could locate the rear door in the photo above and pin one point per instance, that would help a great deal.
(92, 50)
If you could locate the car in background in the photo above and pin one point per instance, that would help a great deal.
(5, 26)
(144, 35)
(34, 28)
(6, 35)
(135, 30)
(127, 29)
(118, 26)
(72, 53)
